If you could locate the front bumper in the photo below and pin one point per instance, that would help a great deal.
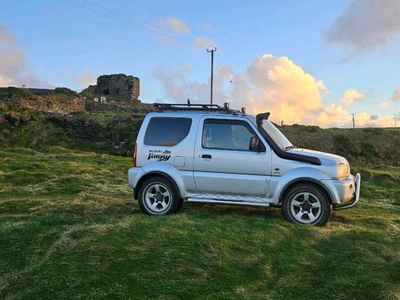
(355, 198)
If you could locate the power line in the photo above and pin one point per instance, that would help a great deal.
(150, 27)
(147, 26)
(158, 30)
(230, 80)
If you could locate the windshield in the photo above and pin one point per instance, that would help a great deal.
(276, 135)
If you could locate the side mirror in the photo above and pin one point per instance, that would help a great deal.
(254, 144)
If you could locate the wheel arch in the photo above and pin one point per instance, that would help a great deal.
(306, 180)
(155, 173)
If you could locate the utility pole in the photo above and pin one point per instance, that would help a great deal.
(395, 117)
(212, 73)
(354, 124)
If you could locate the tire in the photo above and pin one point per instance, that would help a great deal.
(179, 205)
(158, 196)
(306, 204)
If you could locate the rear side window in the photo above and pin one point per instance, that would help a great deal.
(166, 132)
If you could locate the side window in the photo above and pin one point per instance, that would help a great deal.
(227, 134)
(167, 132)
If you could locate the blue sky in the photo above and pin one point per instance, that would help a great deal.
(309, 62)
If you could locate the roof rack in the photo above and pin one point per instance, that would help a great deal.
(192, 107)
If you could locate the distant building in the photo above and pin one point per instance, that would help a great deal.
(118, 85)
(41, 92)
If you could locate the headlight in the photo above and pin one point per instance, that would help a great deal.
(344, 171)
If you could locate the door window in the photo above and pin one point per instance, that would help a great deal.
(227, 135)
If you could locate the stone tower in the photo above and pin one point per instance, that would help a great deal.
(118, 85)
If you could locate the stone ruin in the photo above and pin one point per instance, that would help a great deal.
(118, 85)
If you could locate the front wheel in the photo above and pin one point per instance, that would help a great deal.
(306, 204)
(158, 196)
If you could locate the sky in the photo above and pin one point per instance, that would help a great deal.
(309, 62)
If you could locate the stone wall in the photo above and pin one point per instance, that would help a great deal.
(64, 106)
(117, 106)
(118, 85)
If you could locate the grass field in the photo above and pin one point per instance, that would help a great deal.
(70, 229)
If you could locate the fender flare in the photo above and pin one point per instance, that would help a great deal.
(169, 172)
(304, 174)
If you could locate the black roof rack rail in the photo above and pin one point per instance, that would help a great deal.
(192, 107)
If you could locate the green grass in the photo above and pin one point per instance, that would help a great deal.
(70, 229)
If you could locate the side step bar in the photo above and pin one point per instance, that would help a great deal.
(229, 202)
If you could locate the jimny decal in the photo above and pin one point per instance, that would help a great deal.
(159, 155)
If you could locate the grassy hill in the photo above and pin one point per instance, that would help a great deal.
(31, 121)
(70, 229)
(63, 119)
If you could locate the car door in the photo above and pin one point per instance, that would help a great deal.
(224, 164)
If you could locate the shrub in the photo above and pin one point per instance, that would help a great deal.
(368, 149)
(65, 91)
(14, 118)
(312, 129)
(343, 144)
(18, 93)
(3, 107)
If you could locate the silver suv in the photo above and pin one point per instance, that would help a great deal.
(213, 154)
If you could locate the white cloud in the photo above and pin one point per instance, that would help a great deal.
(177, 25)
(274, 84)
(332, 116)
(365, 24)
(362, 119)
(174, 84)
(396, 95)
(13, 71)
(384, 104)
(278, 85)
(172, 31)
(350, 97)
(4, 81)
(86, 78)
(6, 37)
(178, 88)
(177, 32)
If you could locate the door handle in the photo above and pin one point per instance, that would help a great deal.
(206, 156)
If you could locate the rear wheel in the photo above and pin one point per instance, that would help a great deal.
(306, 204)
(158, 196)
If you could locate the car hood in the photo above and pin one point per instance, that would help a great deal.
(321, 155)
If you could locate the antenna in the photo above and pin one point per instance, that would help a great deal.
(212, 73)
(184, 82)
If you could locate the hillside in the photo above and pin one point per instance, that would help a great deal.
(74, 121)
(70, 229)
